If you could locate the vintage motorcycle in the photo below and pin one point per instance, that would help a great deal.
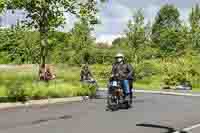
(116, 97)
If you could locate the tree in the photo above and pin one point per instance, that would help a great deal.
(10, 40)
(184, 42)
(19, 45)
(168, 46)
(194, 19)
(81, 40)
(119, 42)
(165, 30)
(60, 49)
(47, 15)
(81, 36)
(148, 31)
(2, 5)
(150, 50)
(167, 18)
(136, 34)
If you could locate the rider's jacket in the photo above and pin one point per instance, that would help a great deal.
(85, 74)
(122, 71)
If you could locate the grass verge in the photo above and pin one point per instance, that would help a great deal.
(66, 84)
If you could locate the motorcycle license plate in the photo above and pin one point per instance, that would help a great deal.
(114, 83)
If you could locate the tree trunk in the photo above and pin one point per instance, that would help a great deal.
(42, 56)
(43, 29)
(44, 50)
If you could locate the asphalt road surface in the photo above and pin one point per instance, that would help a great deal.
(151, 113)
(196, 130)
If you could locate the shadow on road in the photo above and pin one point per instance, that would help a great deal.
(52, 119)
(36, 122)
(169, 129)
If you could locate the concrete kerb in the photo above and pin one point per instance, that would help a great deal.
(40, 102)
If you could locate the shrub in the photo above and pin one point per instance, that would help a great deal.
(180, 71)
(61, 90)
(17, 92)
(145, 69)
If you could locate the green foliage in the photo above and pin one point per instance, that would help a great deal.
(136, 34)
(2, 5)
(78, 46)
(46, 15)
(89, 90)
(19, 46)
(169, 44)
(146, 69)
(165, 29)
(16, 92)
(119, 42)
(194, 19)
(167, 17)
(184, 69)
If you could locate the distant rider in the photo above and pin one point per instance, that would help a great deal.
(86, 75)
(45, 73)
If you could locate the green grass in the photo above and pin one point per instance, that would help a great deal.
(55, 90)
(146, 87)
(196, 90)
(2, 91)
(67, 82)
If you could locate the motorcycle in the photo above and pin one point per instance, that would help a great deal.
(116, 96)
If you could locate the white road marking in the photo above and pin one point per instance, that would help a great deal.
(189, 128)
(163, 93)
(168, 93)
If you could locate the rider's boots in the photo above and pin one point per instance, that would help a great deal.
(131, 98)
(126, 97)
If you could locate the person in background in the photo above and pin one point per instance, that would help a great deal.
(45, 73)
(86, 74)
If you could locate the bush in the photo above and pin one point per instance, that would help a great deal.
(180, 71)
(90, 88)
(60, 91)
(17, 92)
(145, 70)
(37, 91)
(42, 90)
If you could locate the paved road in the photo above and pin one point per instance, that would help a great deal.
(196, 130)
(149, 114)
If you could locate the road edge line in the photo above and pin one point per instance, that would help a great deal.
(188, 128)
(167, 93)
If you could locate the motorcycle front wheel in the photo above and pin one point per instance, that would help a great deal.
(112, 102)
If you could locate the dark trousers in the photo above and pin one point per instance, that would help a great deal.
(131, 89)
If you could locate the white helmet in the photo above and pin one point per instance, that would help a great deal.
(119, 55)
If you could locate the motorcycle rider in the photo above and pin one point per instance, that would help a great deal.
(45, 73)
(86, 75)
(123, 72)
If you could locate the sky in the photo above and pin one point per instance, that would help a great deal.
(114, 15)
